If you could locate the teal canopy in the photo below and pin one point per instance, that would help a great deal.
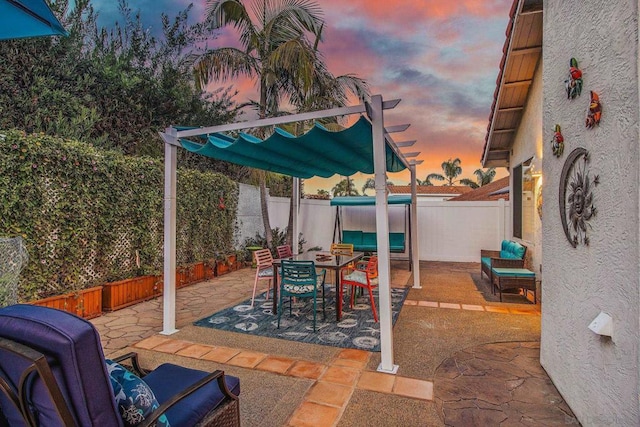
(318, 152)
(369, 201)
(27, 18)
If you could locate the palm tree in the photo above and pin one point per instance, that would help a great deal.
(451, 169)
(275, 51)
(344, 188)
(482, 178)
(370, 184)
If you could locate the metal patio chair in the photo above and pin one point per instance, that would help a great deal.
(299, 279)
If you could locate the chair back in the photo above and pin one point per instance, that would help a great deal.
(263, 258)
(342, 249)
(53, 362)
(284, 251)
(372, 267)
(298, 273)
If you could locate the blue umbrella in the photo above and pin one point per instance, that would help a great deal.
(28, 18)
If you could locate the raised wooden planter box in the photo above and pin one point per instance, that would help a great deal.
(222, 267)
(116, 295)
(190, 274)
(85, 303)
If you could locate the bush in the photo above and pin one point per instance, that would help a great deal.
(89, 216)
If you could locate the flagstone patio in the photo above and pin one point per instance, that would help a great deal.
(463, 361)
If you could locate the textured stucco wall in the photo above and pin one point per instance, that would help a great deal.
(597, 376)
(527, 144)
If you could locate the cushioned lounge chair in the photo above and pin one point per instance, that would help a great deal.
(53, 373)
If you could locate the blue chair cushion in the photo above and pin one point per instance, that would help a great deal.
(511, 250)
(167, 380)
(513, 272)
(134, 398)
(486, 261)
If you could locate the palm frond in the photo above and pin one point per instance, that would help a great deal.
(222, 64)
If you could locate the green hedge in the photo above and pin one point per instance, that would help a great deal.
(90, 216)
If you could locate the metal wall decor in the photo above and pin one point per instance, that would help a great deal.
(595, 111)
(557, 142)
(574, 82)
(576, 197)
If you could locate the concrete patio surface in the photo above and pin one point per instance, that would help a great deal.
(463, 361)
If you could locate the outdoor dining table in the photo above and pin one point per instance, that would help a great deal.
(321, 260)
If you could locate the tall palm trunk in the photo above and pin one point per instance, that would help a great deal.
(264, 207)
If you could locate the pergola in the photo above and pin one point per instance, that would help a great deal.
(366, 147)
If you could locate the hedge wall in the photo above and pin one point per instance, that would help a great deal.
(90, 216)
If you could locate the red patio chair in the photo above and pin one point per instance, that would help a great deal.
(364, 275)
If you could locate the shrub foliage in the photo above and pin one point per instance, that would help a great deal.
(89, 216)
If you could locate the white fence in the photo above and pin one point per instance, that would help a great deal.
(448, 231)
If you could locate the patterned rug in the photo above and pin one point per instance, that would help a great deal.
(356, 329)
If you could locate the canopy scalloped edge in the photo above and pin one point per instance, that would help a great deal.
(319, 152)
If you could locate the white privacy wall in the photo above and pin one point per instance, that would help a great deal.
(457, 231)
(597, 376)
(448, 231)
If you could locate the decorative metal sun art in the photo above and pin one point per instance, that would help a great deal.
(576, 197)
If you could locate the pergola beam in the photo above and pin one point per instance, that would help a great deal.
(272, 121)
(403, 144)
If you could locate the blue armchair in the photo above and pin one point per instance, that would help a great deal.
(53, 373)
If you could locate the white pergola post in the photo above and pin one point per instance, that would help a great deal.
(295, 200)
(169, 291)
(382, 231)
(414, 229)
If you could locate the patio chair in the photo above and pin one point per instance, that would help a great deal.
(53, 373)
(264, 270)
(364, 275)
(284, 251)
(299, 279)
(342, 249)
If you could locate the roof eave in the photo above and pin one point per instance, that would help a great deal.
(496, 157)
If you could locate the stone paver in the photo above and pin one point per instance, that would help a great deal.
(488, 389)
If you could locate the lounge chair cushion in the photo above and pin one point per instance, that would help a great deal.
(513, 272)
(511, 250)
(486, 260)
(167, 380)
(135, 400)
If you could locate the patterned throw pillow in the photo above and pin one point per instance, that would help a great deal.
(134, 398)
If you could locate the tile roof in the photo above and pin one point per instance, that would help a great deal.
(430, 189)
(492, 191)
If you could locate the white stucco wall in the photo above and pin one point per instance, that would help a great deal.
(528, 144)
(597, 376)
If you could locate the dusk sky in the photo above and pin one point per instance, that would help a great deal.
(441, 57)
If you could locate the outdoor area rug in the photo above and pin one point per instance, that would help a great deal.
(356, 329)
